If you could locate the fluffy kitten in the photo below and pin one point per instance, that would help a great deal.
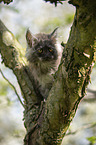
(43, 54)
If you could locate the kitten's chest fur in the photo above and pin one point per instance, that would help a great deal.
(43, 75)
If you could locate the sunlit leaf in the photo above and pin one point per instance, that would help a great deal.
(92, 139)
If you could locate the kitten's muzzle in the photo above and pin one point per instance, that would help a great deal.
(48, 58)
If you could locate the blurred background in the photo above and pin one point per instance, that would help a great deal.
(39, 16)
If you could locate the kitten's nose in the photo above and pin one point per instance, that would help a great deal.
(48, 57)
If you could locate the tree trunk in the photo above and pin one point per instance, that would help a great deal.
(47, 122)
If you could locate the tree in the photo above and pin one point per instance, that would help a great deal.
(47, 122)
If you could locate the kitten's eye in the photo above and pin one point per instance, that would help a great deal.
(40, 50)
(50, 50)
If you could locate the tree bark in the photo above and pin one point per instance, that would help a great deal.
(47, 122)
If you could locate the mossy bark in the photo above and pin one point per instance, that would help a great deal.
(47, 122)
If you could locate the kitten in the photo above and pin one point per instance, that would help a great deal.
(43, 54)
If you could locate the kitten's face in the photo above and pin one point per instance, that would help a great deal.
(45, 51)
(41, 48)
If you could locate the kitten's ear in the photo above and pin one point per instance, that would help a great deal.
(30, 38)
(54, 33)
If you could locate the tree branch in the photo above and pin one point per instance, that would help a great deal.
(73, 75)
(13, 57)
(87, 126)
(48, 123)
(12, 87)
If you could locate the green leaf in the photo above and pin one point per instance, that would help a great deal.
(92, 139)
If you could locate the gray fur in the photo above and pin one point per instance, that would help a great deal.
(43, 64)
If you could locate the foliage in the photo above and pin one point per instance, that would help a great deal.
(58, 21)
(3, 88)
(55, 1)
(6, 1)
(92, 139)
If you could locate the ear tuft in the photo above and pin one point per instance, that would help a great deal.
(29, 38)
(54, 33)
